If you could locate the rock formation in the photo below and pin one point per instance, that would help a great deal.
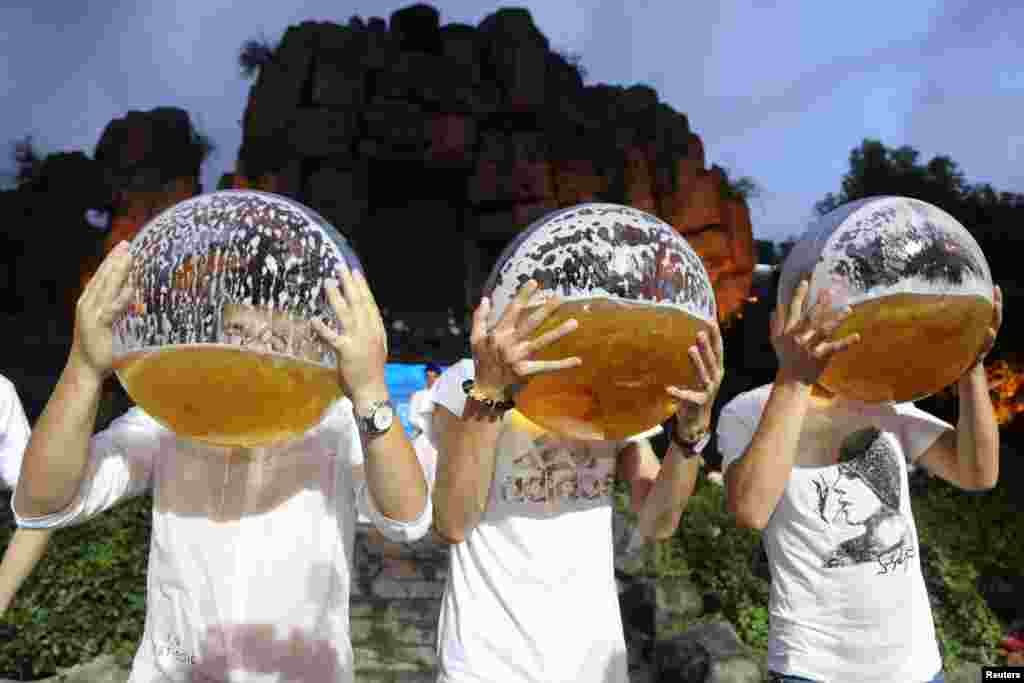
(430, 146)
(150, 161)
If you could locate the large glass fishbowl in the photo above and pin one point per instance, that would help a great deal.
(919, 288)
(219, 347)
(640, 294)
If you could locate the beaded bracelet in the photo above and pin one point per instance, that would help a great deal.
(472, 392)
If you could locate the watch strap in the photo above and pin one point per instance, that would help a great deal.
(691, 447)
(367, 425)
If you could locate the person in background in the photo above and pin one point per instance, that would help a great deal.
(420, 405)
(421, 408)
(251, 548)
(26, 546)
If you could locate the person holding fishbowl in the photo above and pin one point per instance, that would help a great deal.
(251, 548)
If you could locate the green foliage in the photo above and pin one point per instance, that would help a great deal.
(718, 554)
(86, 597)
(745, 188)
(968, 535)
(878, 170)
(715, 554)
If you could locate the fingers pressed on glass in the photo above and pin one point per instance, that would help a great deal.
(711, 362)
(478, 330)
(534, 367)
(515, 308)
(698, 364)
(537, 318)
(687, 395)
(717, 343)
(796, 304)
(339, 303)
(551, 336)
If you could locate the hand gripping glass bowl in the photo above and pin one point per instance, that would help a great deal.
(920, 291)
(219, 347)
(640, 295)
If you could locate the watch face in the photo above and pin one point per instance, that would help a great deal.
(382, 418)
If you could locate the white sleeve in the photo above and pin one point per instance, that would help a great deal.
(447, 390)
(919, 430)
(735, 431)
(14, 435)
(120, 466)
(351, 446)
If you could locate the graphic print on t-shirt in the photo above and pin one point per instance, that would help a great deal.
(553, 471)
(860, 501)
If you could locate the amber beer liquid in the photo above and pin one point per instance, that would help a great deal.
(630, 353)
(228, 396)
(911, 346)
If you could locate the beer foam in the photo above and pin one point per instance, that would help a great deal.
(233, 246)
(883, 246)
(605, 251)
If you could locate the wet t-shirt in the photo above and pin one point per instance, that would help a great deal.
(531, 593)
(14, 434)
(250, 552)
(848, 600)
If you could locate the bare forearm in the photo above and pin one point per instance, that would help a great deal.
(977, 432)
(757, 480)
(394, 476)
(21, 557)
(465, 470)
(58, 450)
(662, 509)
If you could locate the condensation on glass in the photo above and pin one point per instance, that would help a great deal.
(920, 291)
(219, 347)
(640, 294)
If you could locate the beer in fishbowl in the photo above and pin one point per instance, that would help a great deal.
(630, 353)
(218, 347)
(640, 295)
(919, 290)
(912, 346)
(228, 396)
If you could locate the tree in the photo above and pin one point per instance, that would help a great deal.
(27, 160)
(744, 188)
(879, 170)
(254, 55)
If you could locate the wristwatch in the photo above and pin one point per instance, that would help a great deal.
(691, 448)
(379, 421)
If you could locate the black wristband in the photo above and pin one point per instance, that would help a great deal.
(691, 448)
(469, 387)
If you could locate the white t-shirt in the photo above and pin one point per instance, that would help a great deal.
(249, 564)
(531, 593)
(848, 600)
(14, 434)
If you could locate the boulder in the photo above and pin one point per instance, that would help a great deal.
(714, 643)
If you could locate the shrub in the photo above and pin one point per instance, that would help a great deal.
(86, 597)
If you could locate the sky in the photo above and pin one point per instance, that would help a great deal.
(778, 91)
